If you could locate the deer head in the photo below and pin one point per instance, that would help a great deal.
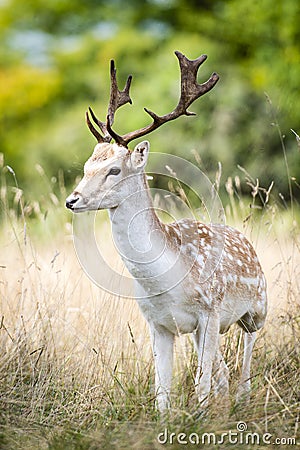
(110, 173)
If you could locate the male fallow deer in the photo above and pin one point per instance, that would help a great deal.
(189, 277)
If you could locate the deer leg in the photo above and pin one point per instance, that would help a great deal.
(244, 388)
(220, 376)
(162, 347)
(207, 343)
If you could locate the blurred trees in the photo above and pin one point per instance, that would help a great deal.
(54, 63)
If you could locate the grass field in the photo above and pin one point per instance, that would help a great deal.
(76, 369)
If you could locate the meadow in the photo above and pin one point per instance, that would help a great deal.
(76, 368)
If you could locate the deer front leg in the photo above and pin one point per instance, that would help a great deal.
(220, 376)
(206, 342)
(244, 388)
(162, 346)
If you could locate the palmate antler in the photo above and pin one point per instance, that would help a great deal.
(117, 99)
(190, 91)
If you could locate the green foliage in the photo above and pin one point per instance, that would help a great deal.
(54, 63)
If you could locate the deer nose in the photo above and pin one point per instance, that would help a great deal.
(71, 200)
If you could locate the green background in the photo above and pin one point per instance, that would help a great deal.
(55, 63)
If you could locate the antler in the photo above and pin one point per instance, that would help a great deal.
(117, 99)
(190, 91)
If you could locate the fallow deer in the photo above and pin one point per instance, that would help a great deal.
(190, 277)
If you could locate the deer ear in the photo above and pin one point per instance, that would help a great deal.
(139, 156)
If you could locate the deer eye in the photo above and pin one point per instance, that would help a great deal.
(114, 171)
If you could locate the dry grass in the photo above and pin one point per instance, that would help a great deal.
(76, 368)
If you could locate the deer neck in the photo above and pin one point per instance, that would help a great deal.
(137, 231)
(134, 220)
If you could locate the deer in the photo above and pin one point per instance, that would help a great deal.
(189, 276)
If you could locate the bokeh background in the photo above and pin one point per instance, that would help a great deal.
(54, 62)
(76, 368)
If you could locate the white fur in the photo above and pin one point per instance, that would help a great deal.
(173, 297)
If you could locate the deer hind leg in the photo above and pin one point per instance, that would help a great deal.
(244, 387)
(207, 344)
(220, 382)
(162, 346)
(250, 323)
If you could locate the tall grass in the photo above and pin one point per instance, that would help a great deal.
(76, 368)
